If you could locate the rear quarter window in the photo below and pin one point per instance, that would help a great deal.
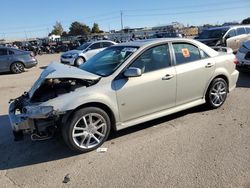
(241, 31)
(248, 30)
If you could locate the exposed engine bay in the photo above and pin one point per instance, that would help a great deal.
(41, 121)
(52, 88)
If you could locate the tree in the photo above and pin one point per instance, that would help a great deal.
(57, 29)
(64, 34)
(77, 28)
(95, 28)
(246, 21)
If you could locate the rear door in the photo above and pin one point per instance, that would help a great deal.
(241, 37)
(5, 59)
(194, 70)
(231, 39)
(93, 49)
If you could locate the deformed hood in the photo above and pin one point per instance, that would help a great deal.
(58, 70)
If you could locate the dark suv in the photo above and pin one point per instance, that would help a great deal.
(15, 60)
(227, 36)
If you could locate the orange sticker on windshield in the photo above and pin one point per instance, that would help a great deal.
(185, 52)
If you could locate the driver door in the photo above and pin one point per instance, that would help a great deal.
(93, 49)
(153, 91)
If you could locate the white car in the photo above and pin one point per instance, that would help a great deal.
(84, 52)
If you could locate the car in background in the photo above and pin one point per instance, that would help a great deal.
(84, 52)
(243, 56)
(227, 36)
(15, 60)
(167, 35)
(123, 85)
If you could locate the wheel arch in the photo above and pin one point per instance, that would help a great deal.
(223, 76)
(93, 104)
(17, 62)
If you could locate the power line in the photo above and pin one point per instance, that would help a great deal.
(187, 12)
(184, 7)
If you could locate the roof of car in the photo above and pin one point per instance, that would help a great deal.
(148, 42)
(145, 42)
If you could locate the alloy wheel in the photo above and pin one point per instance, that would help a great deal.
(89, 131)
(218, 93)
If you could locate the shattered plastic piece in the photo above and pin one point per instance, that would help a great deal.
(101, 150)
(66, 179)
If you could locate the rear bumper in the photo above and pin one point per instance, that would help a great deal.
(233, 80)
(30, 64)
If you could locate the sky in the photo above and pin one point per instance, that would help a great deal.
(29, 18)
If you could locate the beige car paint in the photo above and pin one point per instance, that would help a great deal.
(139, 99)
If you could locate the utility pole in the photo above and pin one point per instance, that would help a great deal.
(121, 20)
(26, 35)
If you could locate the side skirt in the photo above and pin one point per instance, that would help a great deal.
(123, 125)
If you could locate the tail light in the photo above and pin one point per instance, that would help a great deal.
(236, 61)
(32, 54)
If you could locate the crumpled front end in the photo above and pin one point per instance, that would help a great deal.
(34, 112)
(26, 117)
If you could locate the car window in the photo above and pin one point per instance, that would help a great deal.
(241, 31)
(95, 46)
(185, 53)
(11, 52)
(204, 55)
(248, 30)
(231, 33)
(107, 44)
(3, 52)
(153, 59)
(108, 60)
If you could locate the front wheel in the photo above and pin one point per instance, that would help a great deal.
(79, 61)
(217, 93)
(17, 68)
(87, 129)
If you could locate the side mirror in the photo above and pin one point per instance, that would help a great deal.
(132, 72)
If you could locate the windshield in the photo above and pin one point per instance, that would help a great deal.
(108, 60)
(214, 33)
(83, 46)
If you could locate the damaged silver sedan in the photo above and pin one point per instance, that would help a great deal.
(122, 86)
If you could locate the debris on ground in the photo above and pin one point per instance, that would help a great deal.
(66, 179)
(101, 150)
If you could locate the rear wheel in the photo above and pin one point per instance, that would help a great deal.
(17, 68)
(79, 61)
(87, 129)
(217, 93)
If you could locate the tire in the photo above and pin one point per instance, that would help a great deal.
(82, 136)
(217, 93)
(79, 61)
(17, 68)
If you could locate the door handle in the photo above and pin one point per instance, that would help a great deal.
(168, 77)
(209, 65)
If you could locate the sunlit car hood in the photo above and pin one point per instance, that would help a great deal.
(57, 70)
(73, 52)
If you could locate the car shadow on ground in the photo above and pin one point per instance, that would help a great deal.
(27, 152)
(43, 67)
(244, 80)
